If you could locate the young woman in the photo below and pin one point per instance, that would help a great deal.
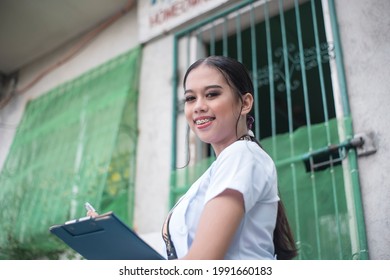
(233, 210)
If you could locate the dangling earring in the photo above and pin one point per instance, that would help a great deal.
(249, 121)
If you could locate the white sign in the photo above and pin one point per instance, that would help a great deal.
(156, 17)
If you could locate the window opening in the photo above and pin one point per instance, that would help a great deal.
(285, 46)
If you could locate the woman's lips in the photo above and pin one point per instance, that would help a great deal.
(203, 122)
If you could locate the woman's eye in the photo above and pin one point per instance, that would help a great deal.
(212, 94)
(189, 98)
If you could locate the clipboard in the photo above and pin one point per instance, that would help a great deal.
(104, 237)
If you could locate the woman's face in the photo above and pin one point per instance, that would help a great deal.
(212, 109)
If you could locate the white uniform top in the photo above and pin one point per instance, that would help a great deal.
(245, 167)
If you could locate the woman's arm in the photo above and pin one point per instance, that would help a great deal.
(218, 223)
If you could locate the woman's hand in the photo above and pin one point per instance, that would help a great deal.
(92, 213)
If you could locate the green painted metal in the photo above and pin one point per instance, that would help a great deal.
(307, 155)
(320, 70)
(254, 69)
(224, 38)
(303, 67)
(271, 76)
(290, 118)
(172, 194)
(238, 41)
(307, 108)
(352, 156)
(212, 45)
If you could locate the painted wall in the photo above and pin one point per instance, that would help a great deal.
(154, 140)
(364, 31)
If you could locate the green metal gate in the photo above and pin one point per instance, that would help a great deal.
(301, 110)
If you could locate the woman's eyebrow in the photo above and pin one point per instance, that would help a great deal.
(205, 88)
(213, 86)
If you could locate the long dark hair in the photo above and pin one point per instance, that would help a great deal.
(237, 76)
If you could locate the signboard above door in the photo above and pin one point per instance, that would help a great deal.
(156, 17)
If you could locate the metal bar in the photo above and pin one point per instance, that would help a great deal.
(224, 38)
(188, 62)
(303, 73)
(286, 72)
(254, 72)
(320, 70)
(212, 40)
(174, 122)
(337, 96)
(238, 38)
(363, 252)
(352, 157)
(271, 79)
(339, 58)
(326, 117)
(337, 212)
(345, 145)
(316, 214)
(198, 40)
(307, 107)
(289, 113)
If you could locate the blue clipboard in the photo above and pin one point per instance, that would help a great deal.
(104, 237)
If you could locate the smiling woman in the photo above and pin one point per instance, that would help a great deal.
(233, 210)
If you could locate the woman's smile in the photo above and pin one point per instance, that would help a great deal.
(203, 122)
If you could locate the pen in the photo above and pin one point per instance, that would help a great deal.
(89, 207)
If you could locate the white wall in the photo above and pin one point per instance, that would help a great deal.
(154, 140)
(364, 31)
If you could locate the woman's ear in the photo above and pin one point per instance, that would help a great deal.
(247, 103)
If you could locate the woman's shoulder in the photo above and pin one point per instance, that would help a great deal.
(244, 148)
(246, 153)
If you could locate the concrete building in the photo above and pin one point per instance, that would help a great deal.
(55, 42)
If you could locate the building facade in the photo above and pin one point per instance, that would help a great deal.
(320, 73)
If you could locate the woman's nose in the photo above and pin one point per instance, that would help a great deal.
(200, 105)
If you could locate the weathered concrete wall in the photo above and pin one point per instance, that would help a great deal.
(364, 30)
(154, 141)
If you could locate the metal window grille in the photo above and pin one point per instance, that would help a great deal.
(302, 116)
